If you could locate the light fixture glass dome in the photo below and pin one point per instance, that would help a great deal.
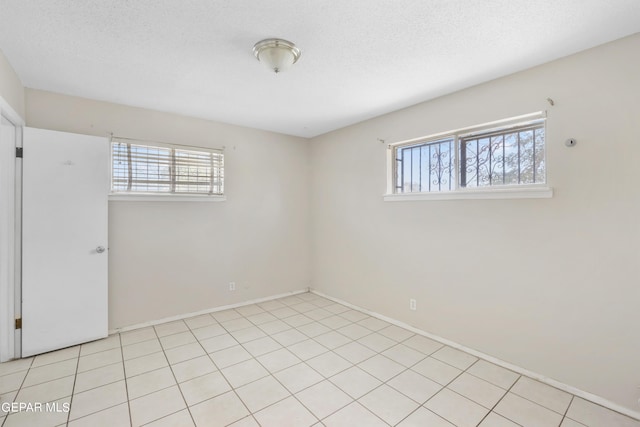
(276, 54)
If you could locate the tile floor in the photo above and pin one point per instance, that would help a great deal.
(298, 361)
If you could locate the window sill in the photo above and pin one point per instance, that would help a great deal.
(145, 197)
(494, 193)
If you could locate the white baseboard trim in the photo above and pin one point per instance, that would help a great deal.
(522, 371)
(201, 312)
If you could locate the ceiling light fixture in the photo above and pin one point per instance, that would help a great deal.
(276, 54)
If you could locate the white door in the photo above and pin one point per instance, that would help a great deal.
(64, 239)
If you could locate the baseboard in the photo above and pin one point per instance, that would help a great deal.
(201, 312)
(520, 370)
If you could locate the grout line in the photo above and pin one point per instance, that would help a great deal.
(126, 384)
(564, 416)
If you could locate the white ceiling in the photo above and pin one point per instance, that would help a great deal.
(360, 58)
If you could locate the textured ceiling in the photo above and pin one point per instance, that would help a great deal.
(360, 58)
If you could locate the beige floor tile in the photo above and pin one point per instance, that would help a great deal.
(373, 324)
(219, 411)
(230, 356)
(594, 415)
(332, 340)
(353, 315)
(355, 382)
(226, 315)
(144, 364)
(99, 377)
(141, 349)
(250, 310)
(274, 327)
(47, 392)
(335, 322)
(526, 413)
(297, 320)
(424, 418)
(138, 335)
(262, 393)
(112, 341)
(286, 413)
(318, 314)
(495, 374)
(261, 346)
(178, 419)
(170, 328)
(14, 366)
(217, 343)
(298, 377)
(404, 355)
(205, 387)
(209, 331)
(354, 331)
(184, 352)
(495, 420)
(478, 390)
(193, 368)
(278, 360)
(271, 305)
(284, 312)
(456, 409)
(99, 359)
(423, 344)
(244, 373)
(568, 422)
(11, 382)
(98, 399)
(260, 318)
(236, 324)
(354, 352)
(381, 367)
(176, 340)
(542, 394)
(323, 399)
(454, 357)
(288, 337)
(377, 342)
(201, 321)
(396, 333)
(354, 415)
(248, 334)
(415, 386)
(307, 349)
(388, 404)
(436, 370)
(313, 329)
(303, 307)
(115, 416)
(328, 364)
(56, 356)
(50, 372)
(150, 382)
(156, 405)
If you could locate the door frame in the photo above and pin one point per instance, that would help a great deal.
(10, 338)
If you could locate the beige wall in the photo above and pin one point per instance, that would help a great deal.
(11, 88)
(171, 258)
(551, 285)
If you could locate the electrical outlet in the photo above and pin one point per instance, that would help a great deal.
(232, 286)
(412, 304)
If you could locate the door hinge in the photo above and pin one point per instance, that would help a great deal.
(19, 152)
(19, 323)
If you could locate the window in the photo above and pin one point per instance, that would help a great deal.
(498, 157)
(138, 168)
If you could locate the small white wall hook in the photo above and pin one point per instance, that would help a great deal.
(571, 142)
(382, 141)
(551, 102)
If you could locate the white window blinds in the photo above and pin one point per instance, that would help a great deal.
(140, 167)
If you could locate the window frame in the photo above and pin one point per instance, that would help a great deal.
(166, 196)
(505, 191)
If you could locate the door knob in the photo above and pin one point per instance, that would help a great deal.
(100, 249)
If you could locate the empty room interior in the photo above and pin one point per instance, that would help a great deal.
(381, 213)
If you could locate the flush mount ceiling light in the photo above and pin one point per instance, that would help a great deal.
(276, 54)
